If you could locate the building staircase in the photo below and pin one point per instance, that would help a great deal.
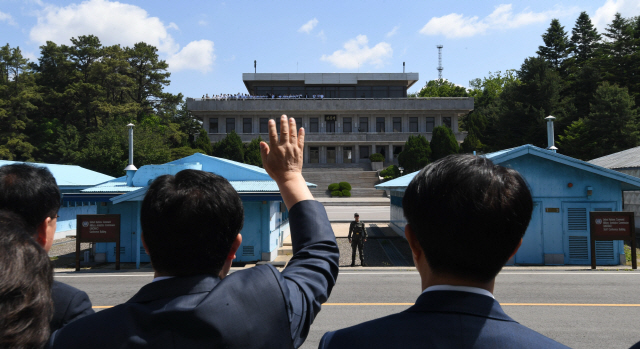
(362, 182)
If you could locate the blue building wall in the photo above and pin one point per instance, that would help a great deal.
(555, 238)
(129, 217)
(69, 211)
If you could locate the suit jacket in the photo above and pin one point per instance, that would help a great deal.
(69, 304)
(442, 319)
(258, 307)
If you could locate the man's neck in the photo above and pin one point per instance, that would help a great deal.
(432, 279)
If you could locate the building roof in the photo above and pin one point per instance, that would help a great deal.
(117, 185)
(628, 182)
(401, 79)
(69, 176)
(625, 159)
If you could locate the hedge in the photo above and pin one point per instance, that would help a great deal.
(346, 193)
(345, 186)
(334, 187)
(336, 193)
(376, 157)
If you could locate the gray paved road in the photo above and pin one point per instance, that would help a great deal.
(367, 213)
(575, 326)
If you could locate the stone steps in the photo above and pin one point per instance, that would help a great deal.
(355, 193)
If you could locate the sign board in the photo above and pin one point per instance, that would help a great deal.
(98, 228)
(608, 226)
(330, 118)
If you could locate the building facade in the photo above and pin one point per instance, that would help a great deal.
(347, 117)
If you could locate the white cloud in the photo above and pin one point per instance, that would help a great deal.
(322, 36)
(197, 55)
(357, 53)
(30, 56)
(6, 17)
(393, 31)
(456, 25)
(604, 15)
(308, 27)
(202, 22)
(117, 23)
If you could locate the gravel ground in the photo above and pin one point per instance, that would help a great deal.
(63, 252)
(403, 246)
(374, 255)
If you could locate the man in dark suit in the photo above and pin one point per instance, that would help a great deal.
(465, 218)
(190, 225)
(32, 193)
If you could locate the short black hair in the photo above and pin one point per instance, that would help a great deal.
(190, 221)
(30, 191)
(468, 215)
(26, 276)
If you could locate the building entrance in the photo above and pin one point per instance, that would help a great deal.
(347, 155)
(382, 150)
(330, 120)
(314, 155)
(331, 155)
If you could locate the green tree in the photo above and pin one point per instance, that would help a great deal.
(556, 45)
(443, 142)
(203, 142)
(584, 39)
(415, 154)
(230, 147)
(252, 152)
(183, 152)
(576, 141)
(442, 88)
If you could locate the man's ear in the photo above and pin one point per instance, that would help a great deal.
(234, 247)
(414, 244)
(144, 244)
(44, 235)
(516, 249)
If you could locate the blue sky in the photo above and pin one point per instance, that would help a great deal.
(209, 44)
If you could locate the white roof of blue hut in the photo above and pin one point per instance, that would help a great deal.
(69, 176)
(627, 182)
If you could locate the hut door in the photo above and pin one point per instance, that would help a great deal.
(576, 233)
(531, 251)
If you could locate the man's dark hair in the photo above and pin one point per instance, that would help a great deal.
(468, 215)
(29, 191)
(26, 276)
(189, 222)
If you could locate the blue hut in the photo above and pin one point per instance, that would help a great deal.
(564, 191)
(266, 217)
(70, 179)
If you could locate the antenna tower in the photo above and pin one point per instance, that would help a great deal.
(440, 61)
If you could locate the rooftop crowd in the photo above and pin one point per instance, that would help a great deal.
(466, 217)
(247, 96)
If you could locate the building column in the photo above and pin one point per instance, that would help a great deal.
(323, 154)
(390, 158)
(356, 153)
(305, 154)
(339, 159)
(454, 123)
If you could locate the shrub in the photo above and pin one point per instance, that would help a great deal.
(334, 187)
(336, 193)
(390, 172)
(346, 193)
(415, 154)
(345, 186)
(376, 157)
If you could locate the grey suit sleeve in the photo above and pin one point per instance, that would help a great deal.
(313, 270)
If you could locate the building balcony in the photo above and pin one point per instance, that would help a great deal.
(342, 138)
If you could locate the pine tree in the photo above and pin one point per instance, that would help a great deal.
(415, 154)
(556, 45)
(252, 152)
(230, 147)
(203, 142)
(584, 39)
(443, 142)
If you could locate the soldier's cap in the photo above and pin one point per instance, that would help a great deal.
(356, 214)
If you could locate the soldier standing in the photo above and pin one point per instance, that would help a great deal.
(357, 240)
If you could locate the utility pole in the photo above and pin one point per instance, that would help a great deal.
(440, 61)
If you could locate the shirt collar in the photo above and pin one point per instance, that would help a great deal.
(469, 289)
(160, 278)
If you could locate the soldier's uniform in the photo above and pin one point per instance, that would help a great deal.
(357, 235)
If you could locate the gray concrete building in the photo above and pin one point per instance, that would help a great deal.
(347, 117)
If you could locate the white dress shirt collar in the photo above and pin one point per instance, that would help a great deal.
(470, 289)
(160, 278)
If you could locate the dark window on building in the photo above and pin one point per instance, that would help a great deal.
(314, 155)
(380, 124)
(330, 120)
(363, 92)
(213, 125)
(311, 91)
(263, 90)
(313, 125)
(347, 92)
(397, 124)
(231, 124)
(331, 155)
(298, 123)
(413, 124)
(297, 90)
(346, 124)
(264, 125)
(446, 121)
(347, 155)
(396, 92)
(380, 92)
(330, 92)
(277, 119)
(246, 125)
(397, 149)
(364, 124)
(280, 91)
(364, 152)
(430, 124)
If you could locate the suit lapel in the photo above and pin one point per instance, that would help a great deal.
(175, 287)
(461, 303)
